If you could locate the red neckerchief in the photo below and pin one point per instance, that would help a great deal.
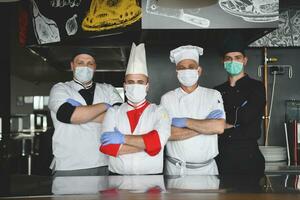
(135, 114)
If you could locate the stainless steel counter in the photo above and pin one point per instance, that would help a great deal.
(271, 186)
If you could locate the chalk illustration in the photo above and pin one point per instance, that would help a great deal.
(71, 25)
(191, 16)
(252, 10)
(63, 3)
(295, 29)
(110, 14)
(46, 30)
(287, 33)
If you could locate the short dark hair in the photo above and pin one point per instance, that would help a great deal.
(242, 52)
(83, 50)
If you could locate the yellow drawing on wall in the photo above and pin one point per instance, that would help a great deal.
(110, 14)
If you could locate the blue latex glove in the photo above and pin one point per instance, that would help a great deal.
(107, 105)
(73, 102)
(215, 114)
(179, 122)
(113, 137)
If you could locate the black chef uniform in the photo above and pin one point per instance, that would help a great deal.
(244, 106)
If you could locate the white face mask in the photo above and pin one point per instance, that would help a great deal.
(135, 93)
(83, 74)
(188, 77)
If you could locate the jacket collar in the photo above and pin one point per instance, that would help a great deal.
(78, 86)
(242, 81)
(140, 105)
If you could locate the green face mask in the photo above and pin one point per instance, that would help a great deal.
(233, 67)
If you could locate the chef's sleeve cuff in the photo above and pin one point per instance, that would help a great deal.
(152, 143)
(64, 113)
(110, 149)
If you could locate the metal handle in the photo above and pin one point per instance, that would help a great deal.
(32, 122)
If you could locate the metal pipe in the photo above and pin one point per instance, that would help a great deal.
(266, 113)
(266, 116)
(295, 142)
(287, 144)
(29, 165)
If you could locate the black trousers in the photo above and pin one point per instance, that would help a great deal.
(236, 159)
(241, 168)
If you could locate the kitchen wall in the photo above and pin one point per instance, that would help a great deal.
(21, 87)
(163, 78)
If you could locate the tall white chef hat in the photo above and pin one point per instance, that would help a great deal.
(186, 52)
(137, 60)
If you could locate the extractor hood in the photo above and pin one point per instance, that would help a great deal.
(52, 62)
(108, 59)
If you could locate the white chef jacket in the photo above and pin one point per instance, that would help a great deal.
(153, 118)
(201, 148)
(196, 182)
(137, 184)
(75, 146)
(79, 184)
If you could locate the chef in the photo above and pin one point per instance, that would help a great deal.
(197, 115)
(244, 101)
(77, 110)
(134, 134)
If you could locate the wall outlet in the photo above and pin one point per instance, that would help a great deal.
(278, 70)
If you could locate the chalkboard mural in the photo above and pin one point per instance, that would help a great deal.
(252, 10)
(63, 3)
(286, 35)
(109, 14)
(71, 25)
(46, 30)
(209, 14)
(59, 20)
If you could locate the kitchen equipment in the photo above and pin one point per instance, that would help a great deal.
(293, 141)
(273, 153)
(292, 110)
(25, 129)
